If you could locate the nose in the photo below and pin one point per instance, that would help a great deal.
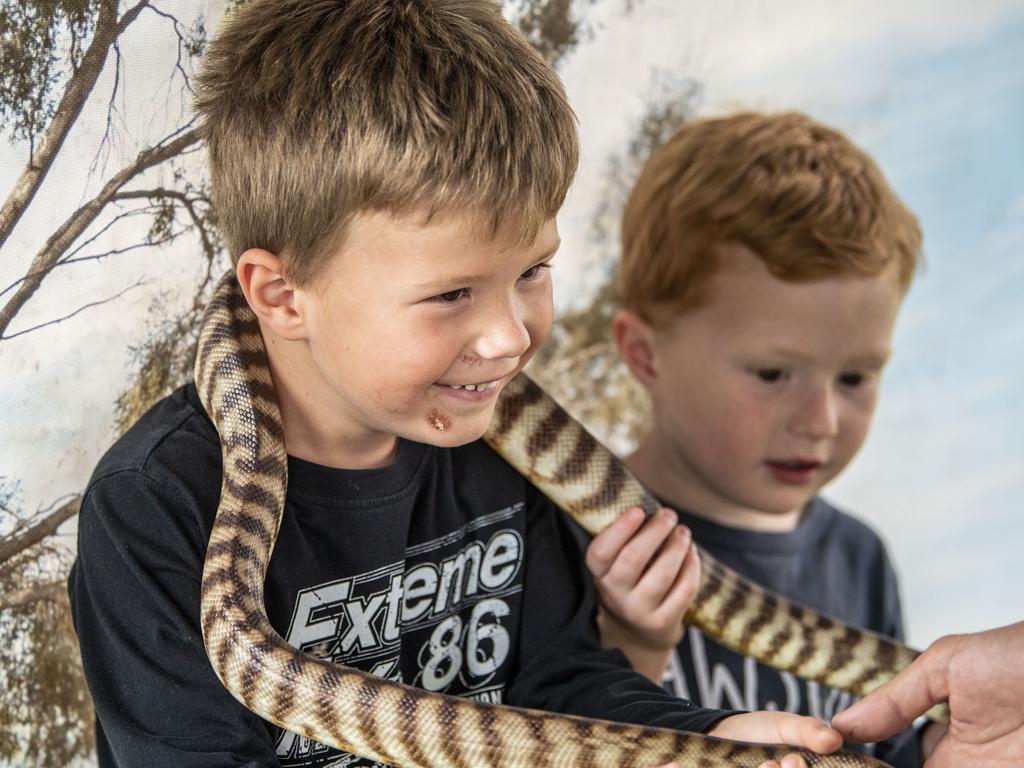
(816, 415)
(503, 331)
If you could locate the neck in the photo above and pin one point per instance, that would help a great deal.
(675, 485)
(317, 424)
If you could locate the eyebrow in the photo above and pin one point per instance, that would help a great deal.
(469, 279)
(871, 359)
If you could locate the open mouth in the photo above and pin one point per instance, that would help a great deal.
(796, 465)
(798, 471)
(483, 387)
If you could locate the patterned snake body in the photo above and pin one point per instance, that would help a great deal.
(405, 726)
(555, 452)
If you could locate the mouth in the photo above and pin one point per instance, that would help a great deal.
(794, 471)
(471, 392)
(480, 387)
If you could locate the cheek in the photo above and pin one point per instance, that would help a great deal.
(399, 370)
(417, 349)
(855, 431)
(741, 416)
(744, 429)
(854, 427)
(539, 317)
(726, 429)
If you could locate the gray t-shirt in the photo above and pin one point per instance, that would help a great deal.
(832, 563)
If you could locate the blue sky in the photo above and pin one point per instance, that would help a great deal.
(954, 149)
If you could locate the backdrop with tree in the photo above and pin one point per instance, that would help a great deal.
(103, 182)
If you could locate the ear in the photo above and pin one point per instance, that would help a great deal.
(635, 340)
(269, 293)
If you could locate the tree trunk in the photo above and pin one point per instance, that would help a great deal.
(75, 95)
(19, 543)
(75, 225)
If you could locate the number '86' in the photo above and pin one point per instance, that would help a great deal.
(485, 640)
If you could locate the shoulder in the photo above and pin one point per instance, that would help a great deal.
(850, 533)
(859, 557)
(172, 453)
(477, 465)
(480, 473)
(175, 424)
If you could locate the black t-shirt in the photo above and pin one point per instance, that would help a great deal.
(445, 570)
(832, 563)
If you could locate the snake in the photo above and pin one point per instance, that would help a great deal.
(408, 727)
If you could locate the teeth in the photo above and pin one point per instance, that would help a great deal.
(474, 387)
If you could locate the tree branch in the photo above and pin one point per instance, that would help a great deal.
(73, 227)
(70, 258)
(108, 27)
(62, 318)
(55, 591)
(119, 251)
(187, 202)
(181, 42)
(45, 527)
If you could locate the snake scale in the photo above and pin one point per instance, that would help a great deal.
(405, 726)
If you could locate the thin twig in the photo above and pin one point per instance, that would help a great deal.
(58, 320)
(181, 42)
(187, 202)
(121, 251)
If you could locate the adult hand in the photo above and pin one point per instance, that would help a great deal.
(980, 675)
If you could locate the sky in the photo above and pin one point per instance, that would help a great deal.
(934, 90)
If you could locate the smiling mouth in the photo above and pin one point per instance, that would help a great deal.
(483, 387)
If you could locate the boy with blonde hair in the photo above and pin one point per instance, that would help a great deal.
(764, 259)
(386, 175)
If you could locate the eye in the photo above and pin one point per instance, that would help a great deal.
(535, 272)
(770, 375)
(852, 379)
(451, 297)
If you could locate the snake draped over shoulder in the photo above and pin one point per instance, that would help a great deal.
(411, 728)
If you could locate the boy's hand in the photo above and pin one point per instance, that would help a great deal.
(778, 728)
(646, 575)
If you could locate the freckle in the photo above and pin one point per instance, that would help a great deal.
(471, 360)
(439, 421)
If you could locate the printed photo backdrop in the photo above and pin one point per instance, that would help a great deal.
(108, 245)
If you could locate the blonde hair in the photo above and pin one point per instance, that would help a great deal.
(797, 193)
(316, 110)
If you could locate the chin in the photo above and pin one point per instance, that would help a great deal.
(784, 506)
(452, 435)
